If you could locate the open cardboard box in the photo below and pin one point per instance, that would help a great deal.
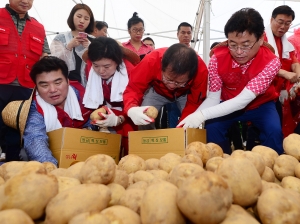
(157, 143)
(69, 145)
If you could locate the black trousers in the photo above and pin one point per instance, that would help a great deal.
(10, 140)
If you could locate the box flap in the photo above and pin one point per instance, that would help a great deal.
(195, 134)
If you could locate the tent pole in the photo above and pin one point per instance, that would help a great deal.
(206, 32)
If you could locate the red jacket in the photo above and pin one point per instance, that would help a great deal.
(233, 79)
(149, 73)
(19, 53)
(64, 118)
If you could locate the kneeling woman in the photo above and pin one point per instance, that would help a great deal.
(108, 72)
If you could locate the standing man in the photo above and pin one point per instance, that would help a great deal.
(149, 42)
(241, 71)
(23, 42)
(184, 33)
(275, 35)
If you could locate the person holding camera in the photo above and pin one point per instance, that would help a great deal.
(71, 45)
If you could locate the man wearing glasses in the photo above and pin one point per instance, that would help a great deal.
(241, 71)
(174, 74)
(275, 34)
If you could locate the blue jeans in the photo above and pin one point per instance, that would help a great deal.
(265, 118)
(173, 114)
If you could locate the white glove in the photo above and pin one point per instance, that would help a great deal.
(138, 117)
(194, 120)
(110, 119)
(294, 90)
(283, 96)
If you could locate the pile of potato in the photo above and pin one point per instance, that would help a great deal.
(204, 186)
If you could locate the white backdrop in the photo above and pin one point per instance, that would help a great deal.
(158, 15)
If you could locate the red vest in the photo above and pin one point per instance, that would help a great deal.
(233, 79)
(286, 64)
(64, 118)
(19, 53)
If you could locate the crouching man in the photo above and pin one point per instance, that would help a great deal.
(55, 103)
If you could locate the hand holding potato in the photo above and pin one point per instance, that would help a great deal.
(108, 120)
(141, 115)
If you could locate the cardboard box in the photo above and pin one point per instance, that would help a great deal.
(157, 143)
(71, 144)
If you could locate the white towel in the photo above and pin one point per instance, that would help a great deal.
(72, 108)
(287, 47)
(93, 96)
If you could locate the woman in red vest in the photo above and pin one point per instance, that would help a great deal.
(108, 74)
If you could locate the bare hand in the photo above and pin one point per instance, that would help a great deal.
(292, 77)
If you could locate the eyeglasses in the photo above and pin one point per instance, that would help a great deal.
(138, 30)
(243, 48)
(281, 22)
(178, 84)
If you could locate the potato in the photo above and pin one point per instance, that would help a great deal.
(267, 185)
(192, 158)
(152, 164)
(1, 181)
(60, 172)
(132, 163)
(98, 169)
(268, 175)
(279, 206)
(159, 174)
(151, 112)
(213, 163)
(297, 170)
(204, 191)
(28, 191)
(243, 178)
(291, 145)
(159, 204)
(200, 149)
(215, 149)
(182, 171)
(121, 177)
(78, 199)
(169, 161)
(226, 155)
(285, 166)
(49, 166)
(139, 185)
(292, 183)
(117, 191)
(238, 215)
(65, 183)
(95, 114)
(132, 198)
(14, 216)
(267, 153)
(142, 175)
(11, 169)
(89, 218)
(74, 170)
(121, 214)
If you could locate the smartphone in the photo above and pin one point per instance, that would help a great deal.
(82, 34)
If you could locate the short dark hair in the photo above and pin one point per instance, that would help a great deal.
(134, 20)
(100, 24)
(283, 9)
(148, 38)
(214, 44)
(184, 24)
(180, 59)
(105, 47)
(49, 64)
(70, 20)
(246, 19)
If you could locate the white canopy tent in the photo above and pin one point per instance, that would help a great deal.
(161, 17)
